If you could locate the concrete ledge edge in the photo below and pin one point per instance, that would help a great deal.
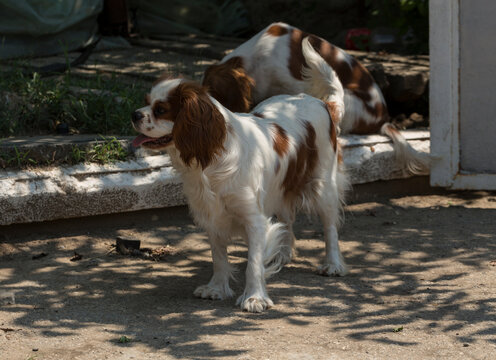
(150, 182)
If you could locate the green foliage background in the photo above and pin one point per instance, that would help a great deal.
(405, 16)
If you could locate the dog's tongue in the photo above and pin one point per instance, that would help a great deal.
(141, 139)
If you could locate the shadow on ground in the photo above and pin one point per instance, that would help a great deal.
(419, 265)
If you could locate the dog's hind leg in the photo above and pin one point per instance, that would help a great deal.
(288, 248)
(333, 263)
(329, 212)
(218, 287)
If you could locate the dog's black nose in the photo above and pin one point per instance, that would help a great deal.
(137, 116)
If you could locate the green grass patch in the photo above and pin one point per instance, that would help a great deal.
(398, 329)
(16, 159)
(35, 105)
(106, 150)
(124, 340)
(109, 151)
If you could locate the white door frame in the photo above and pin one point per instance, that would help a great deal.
(444, 44)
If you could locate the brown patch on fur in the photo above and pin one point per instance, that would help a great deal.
(296, 58)
(163, 110)
(354, 77)
(340, 154)
(148, 99)
(281, 140)
(257, 114)
(301, 168)
(199, 127)
(362, 127)
(277, 30)
(230, 85)
(393, 129)
(333, 124)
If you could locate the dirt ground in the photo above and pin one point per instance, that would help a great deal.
(422, 285)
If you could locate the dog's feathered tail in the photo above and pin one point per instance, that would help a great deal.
(321, 80)
(273, 261)
(414, 161)
(323, 83)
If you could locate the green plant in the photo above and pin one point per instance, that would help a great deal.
(409, 17)
(109, 151)
(32, 105)
(19, 159)
(124, 340)
(77, 155)
(28, 104)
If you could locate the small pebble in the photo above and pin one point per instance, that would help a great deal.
(7, 298)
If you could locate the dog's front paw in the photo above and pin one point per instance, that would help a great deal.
(254, 303)
(333, 269)
(214, 293)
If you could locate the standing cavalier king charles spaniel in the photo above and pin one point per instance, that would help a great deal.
(239, 170)
(282, 59)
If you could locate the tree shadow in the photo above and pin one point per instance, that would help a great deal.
(411, 267)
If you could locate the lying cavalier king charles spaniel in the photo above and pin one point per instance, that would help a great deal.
(282, 59)
(239, 170)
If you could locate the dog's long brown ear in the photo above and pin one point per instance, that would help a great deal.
(230, 84)
(199, 127)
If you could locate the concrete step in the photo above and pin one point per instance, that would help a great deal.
(150, 182)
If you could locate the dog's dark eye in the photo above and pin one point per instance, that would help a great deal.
(160, 110)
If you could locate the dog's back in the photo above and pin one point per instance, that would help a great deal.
(304, 139)
(282, 59)
(274, 59)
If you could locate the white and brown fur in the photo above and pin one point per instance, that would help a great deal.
(239, 170)
(282, 59)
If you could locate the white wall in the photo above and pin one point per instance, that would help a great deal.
(463, 93)
(478, 85)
